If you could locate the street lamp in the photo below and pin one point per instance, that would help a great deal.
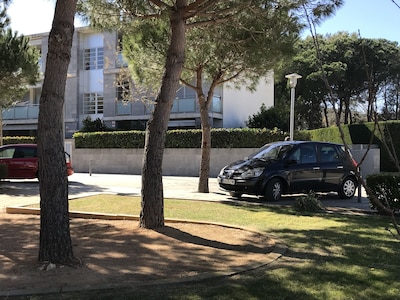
(292, 83)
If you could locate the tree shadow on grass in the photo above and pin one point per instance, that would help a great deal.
(118, 253)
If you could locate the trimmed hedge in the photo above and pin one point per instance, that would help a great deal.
(220, 138)
(113, 139)
(236, 138)
(19, 140)
(387, 188)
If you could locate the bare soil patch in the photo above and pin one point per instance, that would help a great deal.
(117, 252)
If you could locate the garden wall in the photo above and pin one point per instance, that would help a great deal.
(180, 161)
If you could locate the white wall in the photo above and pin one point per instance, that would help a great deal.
(239, 105)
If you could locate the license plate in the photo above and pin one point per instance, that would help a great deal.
(228, 181)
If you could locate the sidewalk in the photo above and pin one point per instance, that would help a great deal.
(25, 192)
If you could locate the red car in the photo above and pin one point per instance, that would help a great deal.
(21, 161)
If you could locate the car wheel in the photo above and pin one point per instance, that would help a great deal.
(273, 190)
(347, 188)
(236, 195)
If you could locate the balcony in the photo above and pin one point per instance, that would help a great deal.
(181, 105)
(20, 112)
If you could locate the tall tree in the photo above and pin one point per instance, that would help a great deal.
(356, 68)
(179, 15)
(55, 239)
(18, 66)
(238, 52)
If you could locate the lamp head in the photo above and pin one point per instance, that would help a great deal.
(293, 79)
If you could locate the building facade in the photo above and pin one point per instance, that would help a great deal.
(94, 90)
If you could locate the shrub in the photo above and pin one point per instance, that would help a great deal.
(386, 187)
(308, 203)
(93, 126)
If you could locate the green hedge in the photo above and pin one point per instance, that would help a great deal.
(220, 138)
(385, 187)
(113, 139)
(19, 140)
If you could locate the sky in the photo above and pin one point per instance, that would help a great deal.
(32, 16)
(370, 18)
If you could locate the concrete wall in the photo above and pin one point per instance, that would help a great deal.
(179, 162)
(176, 162)
(372, 162)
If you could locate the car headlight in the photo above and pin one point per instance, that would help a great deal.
(250, 173)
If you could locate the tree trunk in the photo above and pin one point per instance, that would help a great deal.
(346, 110)
(55, 240)
(1, 126)
(326, 114)
(205, 146)
(152, 212)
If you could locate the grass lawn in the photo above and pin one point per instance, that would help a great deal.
(330, 256)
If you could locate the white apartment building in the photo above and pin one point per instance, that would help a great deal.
(91, 92)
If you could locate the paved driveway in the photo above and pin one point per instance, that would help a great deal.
(24, 192)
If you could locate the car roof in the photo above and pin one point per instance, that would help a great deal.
(18, 145)
(304, 142)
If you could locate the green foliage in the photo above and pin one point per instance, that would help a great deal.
(329, 134)
(93, 126)
(220, 138)
(115, 139)
(18, 66)
(387, 189)
(345, 59)
(308, 203)
(273, 117)
(183, 138)
(19, 140)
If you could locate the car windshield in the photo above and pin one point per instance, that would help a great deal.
(272, 151)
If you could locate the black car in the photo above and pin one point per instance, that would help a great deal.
(292, 167)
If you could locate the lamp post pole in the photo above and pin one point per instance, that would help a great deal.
(292, 83)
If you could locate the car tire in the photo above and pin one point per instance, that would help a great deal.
(347, 188)
(237, 195)
(273, 190)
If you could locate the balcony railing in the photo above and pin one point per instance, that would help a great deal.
(17, 112)
(182, 105)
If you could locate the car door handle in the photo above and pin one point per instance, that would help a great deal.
(316, 168)
(340, 167)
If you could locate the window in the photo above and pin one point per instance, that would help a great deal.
(124, 105)
(123, 91)
(93, 103)
(308, 154)
(328, 154)
(7, 153)
(93, 58)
